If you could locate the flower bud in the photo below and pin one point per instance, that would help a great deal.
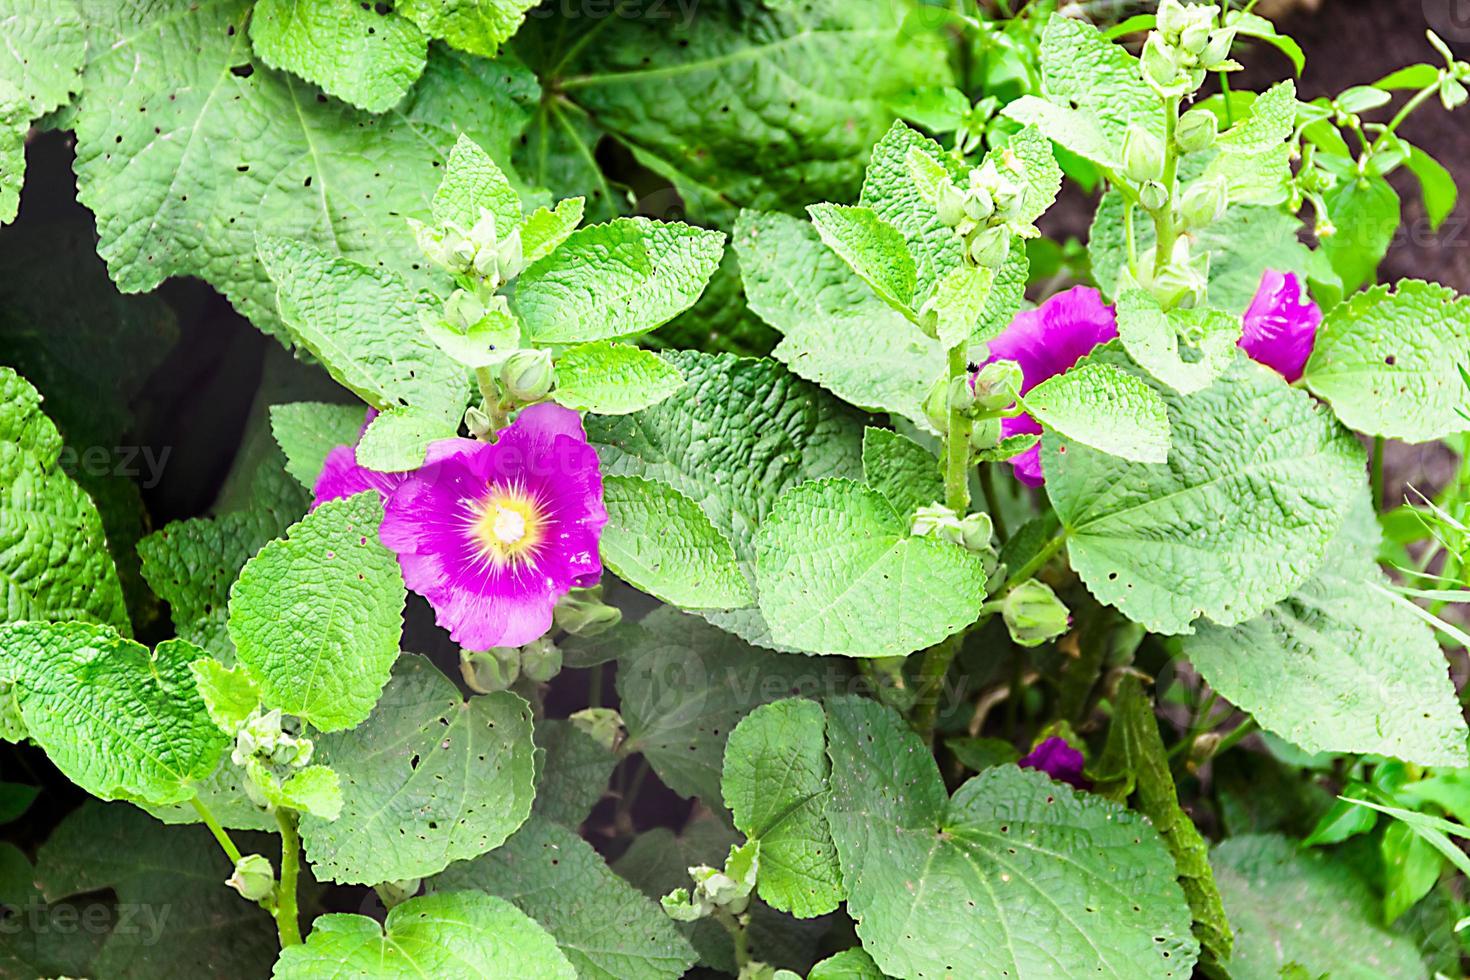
(950, 203)
(463, 310)
(1216, 52)
(996, 384)
(478, 423)
(985, 434)
(528, 375)
(976, 531)
(1197, 130)
(488, 671)
(1172, 17)
(395, 893)
(978, 204)
(938, 521)
(1160, 70)
(1153, 196)
(582, 612)
(990, 246)
(540, 660)
(1195, 36)
(1204, 202)
(1033, 614)
(961, 395)
(483, 235)
(603, 725)
(253, 878)
(1143, 154)
(936, 405)
(1452, 93)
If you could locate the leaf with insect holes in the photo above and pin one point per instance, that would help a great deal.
(427, 780)
(317, 617)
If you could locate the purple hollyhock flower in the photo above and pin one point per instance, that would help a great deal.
(1047, 341)
(1058, 760)
(494, 534)
(343, 476)
(1281, 324)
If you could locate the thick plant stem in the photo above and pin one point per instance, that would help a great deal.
(288, 922)
(1038, 561)
(957, 444)
(1166, 229)
(932, 671)
(1377, 474)
(219, 832)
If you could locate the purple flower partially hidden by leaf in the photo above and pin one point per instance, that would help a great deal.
(1058, 760)
(1281, 324)
(494, 533)
(1046, 342)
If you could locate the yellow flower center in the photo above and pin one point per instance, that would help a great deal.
(508, 525)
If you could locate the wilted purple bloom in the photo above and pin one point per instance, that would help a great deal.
(343, 476)
(493, 534)
(1058, 760)
(1047, 341)
(1281, 324)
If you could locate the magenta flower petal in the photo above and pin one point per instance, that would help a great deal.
(1048, 341)
(1058, 760)
(494, 535)
(1281, 324)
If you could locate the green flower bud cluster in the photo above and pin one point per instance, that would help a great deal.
(480, 254)
(581, 612)
(603, 725)
(717, 890)
(1033, 614)
(1183, 280)
(1452, 77)
(264, 738)
(986, 212)
(972, 532)
(990, 393)
(1185, 45)
(496, 669)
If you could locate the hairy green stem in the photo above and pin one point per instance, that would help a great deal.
(1166, 229)
(288, 922)
(932, 671)
(957, 444)
(1038, 561)
(215, 828)
(736, 926)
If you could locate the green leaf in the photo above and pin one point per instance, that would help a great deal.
(229, 693)
(891, 193)
(1340, 665)
(363, 324)
(1106, 408)
(307, 431)
(366, 56)
(315, 791)
(1158, 341)
(613, 379)
(850, 964)
(602, 924)
(485, 343)
(959, 301)
(1136, 762)
(1365, 213)
(1253, 157)
(545, 229)
(684, 685)
(617, 279)
(837, 572)
(942, 886)
(186, 191)
(54, 563)
(1436, 185)
(1219, 535)
(474, 182)
(574, 772)
(476, 26)
(1094, 90)
(813, 80)
(737, 435)
(836, 331)
(775, 784)
(207, 930)
(45, 45)
(1388, 361)
(449, 935)
(902, 470)
(192, 564)
(1411, 866)
(427, 780)
(15, 800)
(1297, 906)
(399, 439)
(659, 541)
(117, 720)
(871, 247)
(317, 617)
